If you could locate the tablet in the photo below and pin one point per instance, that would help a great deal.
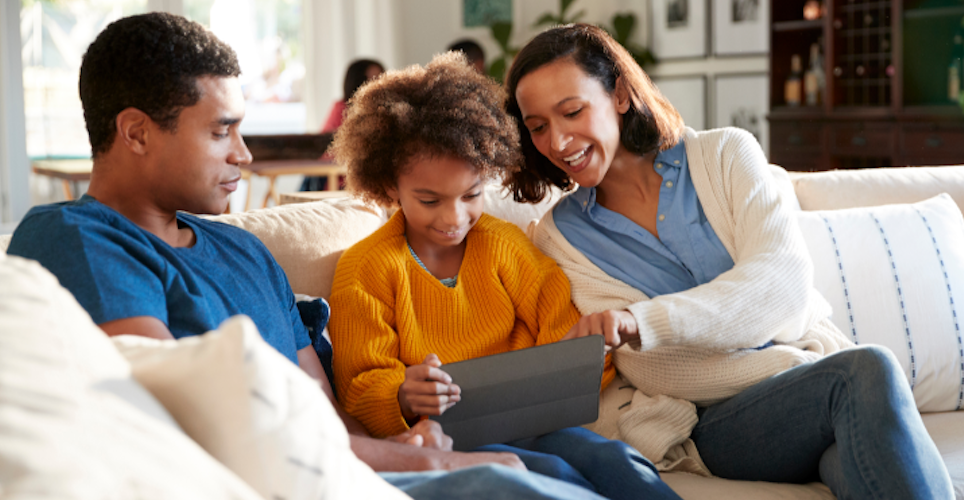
(525, 393)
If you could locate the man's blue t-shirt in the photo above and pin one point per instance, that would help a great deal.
(117, 270)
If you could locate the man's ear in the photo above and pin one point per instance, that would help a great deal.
(621, 96)
(134, 130)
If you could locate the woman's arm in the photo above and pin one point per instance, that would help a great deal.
(763, 298)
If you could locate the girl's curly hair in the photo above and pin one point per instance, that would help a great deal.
(445, 109)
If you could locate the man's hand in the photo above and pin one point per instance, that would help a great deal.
(616, 327)
(427, 390)
(426, 433)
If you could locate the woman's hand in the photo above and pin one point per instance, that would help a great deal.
(616, 327)
(427, 390)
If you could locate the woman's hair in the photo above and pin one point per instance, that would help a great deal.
(445, 109)
(650, 124)
(356, 75)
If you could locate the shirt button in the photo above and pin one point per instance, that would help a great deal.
(585, 203)
(676, 162)
(669, 184)
(659, 165)
(662, 217)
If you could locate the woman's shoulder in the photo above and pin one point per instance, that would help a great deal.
(719, 136)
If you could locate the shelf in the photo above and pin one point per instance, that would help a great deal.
(860, 7)
(802, 25)
(934, 12)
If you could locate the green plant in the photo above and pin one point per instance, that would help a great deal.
(622, 30)
(560, 19)
(501, 31)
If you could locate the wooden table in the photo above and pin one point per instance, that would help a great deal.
(274, 168)
(68, 171)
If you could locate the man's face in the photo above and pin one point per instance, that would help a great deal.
(197, 167)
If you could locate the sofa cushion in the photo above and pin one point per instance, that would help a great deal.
(947, 430)
(877, 186)
(255, 411)
(308, 238)
(895, 276)
(73, 423)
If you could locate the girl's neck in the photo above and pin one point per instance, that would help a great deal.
(442, 261)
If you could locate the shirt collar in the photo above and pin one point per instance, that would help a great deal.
(585, 198)
(674, 157)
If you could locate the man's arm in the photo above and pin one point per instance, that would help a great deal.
(145, 326)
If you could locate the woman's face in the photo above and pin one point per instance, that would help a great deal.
(573, 120)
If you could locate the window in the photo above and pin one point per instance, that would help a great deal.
(266, 34)
(54, 36)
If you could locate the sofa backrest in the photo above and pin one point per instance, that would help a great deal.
(880, 186)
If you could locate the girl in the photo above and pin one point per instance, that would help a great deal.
(442, 281)
(684, 232)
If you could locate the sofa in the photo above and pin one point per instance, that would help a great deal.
(880, 295)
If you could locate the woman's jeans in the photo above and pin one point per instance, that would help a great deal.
(611, 468)
(849, 420)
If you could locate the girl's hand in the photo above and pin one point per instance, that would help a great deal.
(427, 390)
(616, 327)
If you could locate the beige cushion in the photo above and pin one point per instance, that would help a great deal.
(308, 238)
(256, 412)
(73, 423)
(879, 186)
(947, 430)
(4, 242)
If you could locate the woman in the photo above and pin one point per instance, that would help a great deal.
(685, 236)
(358, 73)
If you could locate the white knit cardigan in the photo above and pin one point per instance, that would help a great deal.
(695, 346)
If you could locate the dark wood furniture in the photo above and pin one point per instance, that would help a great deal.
(294, 154)
(886, 85)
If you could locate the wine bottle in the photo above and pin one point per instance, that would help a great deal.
(793, 86)
(814, 81)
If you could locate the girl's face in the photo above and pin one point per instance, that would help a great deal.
(573, 120)
(441, 198)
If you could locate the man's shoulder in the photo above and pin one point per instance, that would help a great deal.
(65, 223)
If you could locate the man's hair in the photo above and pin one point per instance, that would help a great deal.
(472, 50)
(445, 109)
(651, 123)
(150, 62)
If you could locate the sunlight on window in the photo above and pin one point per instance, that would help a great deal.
(266, 34)
(54, 36)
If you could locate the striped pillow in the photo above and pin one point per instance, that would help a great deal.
(894, 275)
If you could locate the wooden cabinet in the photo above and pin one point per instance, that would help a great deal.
(885, 101)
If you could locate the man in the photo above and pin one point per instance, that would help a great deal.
(163, 105)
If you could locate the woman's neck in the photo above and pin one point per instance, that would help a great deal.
(629, 175)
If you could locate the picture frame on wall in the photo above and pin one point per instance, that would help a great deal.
(742, 100)
(679, 28)
(688, 95)
(740, 27)
(479, 13)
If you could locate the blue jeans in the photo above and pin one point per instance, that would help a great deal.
(611, 468)
(485, 482)
(849, 420)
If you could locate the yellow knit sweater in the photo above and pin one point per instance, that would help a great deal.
(389, 313)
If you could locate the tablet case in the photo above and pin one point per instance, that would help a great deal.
(525, 393)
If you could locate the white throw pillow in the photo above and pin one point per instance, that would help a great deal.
(256, 412)
(73, 423)
(894, 275)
